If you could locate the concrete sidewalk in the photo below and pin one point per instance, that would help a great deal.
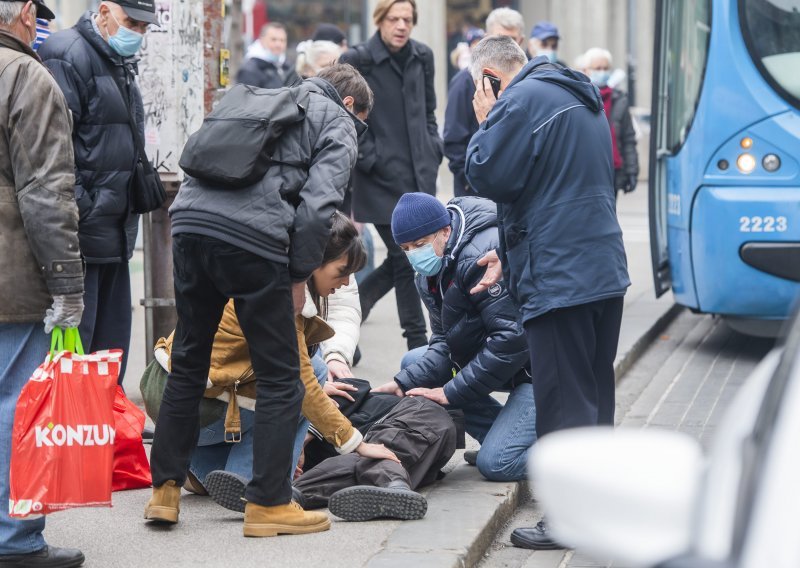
(464, 511)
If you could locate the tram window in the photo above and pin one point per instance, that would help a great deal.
(772, 33)
(689, 30)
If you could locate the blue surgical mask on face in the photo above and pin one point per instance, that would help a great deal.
(425, 261)
(550, 54)
(125, 42)
(600, 78)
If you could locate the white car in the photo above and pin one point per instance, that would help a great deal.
(654, 500)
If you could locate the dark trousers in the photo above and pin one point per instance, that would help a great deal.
(419, 431)
(107, 312)
(395, 272)
(207, 273)
(572, 364)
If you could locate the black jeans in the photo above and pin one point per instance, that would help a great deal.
(395, 272)
(207, 273)
(572, 364)
(108, 312)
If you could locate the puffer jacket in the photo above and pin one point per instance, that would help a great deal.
(105, 152)
(286, 217)
(544, 155)
(230, 362)
(478, 345)
(38, 215)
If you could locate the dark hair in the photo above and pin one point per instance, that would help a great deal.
(344, 241)
(383, 7)
(348, 82)
(329, 32)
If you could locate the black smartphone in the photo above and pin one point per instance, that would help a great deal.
(494, 82)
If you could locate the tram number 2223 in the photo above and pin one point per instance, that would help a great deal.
(767, 224)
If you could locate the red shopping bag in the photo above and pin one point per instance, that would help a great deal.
(63, 438)
(131, 468)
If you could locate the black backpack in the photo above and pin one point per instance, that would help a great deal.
(234, 146)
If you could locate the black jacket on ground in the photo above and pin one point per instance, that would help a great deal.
(402, 150)
(264, 74)
(626, 138)
(478, 337)
(459, 126)
(105, 153)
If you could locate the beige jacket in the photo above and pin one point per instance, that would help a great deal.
(38, 215)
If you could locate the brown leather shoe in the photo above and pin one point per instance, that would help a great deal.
(282, 519)
(164, 505)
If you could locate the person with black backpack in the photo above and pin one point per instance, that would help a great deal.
(400, 153)
(265, 174)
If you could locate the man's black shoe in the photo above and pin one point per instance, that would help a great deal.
(147, 435)
(48, 557)
(471, 457)
(367, 502)
(226, 489)
(536, 538)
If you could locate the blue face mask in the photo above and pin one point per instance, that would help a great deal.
(600, 78)
(550, 54)
(125, 42)
(425, 261)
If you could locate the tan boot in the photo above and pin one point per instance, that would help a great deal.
(164, 505)
(282, 519)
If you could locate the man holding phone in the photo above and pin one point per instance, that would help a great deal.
(543, 153)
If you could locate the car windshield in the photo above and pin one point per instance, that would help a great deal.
(772, 31)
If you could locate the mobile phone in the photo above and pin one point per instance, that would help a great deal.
(494, 82)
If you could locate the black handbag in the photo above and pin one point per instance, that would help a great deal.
(146, 191)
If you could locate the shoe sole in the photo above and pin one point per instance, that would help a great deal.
(164, 515)
(226, 491)
(520, 543)
(368, 503)
(274, 529)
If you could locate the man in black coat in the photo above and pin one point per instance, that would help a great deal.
(266, 65)
(88, 62)
(477, 346)
(400, 152)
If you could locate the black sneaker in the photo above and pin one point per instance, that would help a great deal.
(536, 538)
(471, 457)
(366, 502)
(48, 557)
(227, 489)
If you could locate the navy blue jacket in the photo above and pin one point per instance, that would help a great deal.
(477, 344)
(544, 155)
(459, 126)
(105, 153)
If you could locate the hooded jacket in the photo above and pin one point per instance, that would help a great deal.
(38, 215)
(286, 216)
(477, 345)
(544, 155)
(81, 62)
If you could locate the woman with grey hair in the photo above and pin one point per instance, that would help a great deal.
(313, 56)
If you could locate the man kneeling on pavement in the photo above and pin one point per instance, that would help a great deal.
(477, 344)
(399, 445)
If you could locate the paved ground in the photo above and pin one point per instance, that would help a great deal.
(465, 512)
(684, 382)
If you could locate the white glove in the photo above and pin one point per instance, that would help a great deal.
(67, 311)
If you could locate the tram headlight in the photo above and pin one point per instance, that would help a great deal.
(746, 163)
(771, 162)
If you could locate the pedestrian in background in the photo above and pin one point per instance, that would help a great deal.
(543, 153)
(544, 42)
(42, 275)
(265, 64)
(459, 117)
(400, 153)
(92, 62)
(623, 134)
(331, 32)
(315, 55)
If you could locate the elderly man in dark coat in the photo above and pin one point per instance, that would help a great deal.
(400, 152)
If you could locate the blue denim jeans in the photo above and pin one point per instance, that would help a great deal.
(23, 347)
(506, 433)
(213, 452)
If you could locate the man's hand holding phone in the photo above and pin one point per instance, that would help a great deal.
(486, 95)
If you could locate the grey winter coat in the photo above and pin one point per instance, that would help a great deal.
(402, 150)
(105, 154)
(285, 217)
(38, 216)
(477, 344)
